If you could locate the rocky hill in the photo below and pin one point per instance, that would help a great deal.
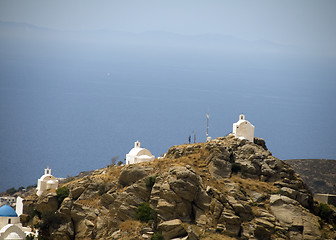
(223, 189)
(319, 174)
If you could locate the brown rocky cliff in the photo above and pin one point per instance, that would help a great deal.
(223, 189)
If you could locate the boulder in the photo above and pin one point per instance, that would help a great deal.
(241, 208)
(231, 223)
(76, 192)
(202, 200)
(65, 209)
(84, 229)
(299, 221)
(186, 183)
(172, 229)
(200, 216)
(131, 174)
(106, 199)
(220, 168)
(184, 189)
(47, 203)
(261, 142)
(216, 207)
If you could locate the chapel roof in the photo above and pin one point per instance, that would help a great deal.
(135, 151)
(13, 236)
(7, 211)
(139, 151)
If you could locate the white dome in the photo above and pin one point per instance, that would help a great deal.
(47, 177)
(139, 151)
(13, 236)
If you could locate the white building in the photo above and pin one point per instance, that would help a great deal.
(7, 201)
(138, 154)
(46, 182)
(19, 206)
(10, 226)
(243, 129)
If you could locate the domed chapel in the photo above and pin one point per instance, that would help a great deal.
(46, 182)
(10, 226)
(138, 154)
(243, 129)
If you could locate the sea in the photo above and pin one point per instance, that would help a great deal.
(75, 105)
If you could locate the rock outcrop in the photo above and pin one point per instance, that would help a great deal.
(225, 187)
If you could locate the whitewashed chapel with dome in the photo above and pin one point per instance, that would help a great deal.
(10, 226)
(243, 129)
(46, 182)
(138, 154)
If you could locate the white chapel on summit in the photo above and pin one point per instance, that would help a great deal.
(243, 129)
(138, 155)
(46, 182)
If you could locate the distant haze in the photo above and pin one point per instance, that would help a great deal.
(306, 23)
(81, 81)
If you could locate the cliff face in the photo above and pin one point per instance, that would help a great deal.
(223, 189)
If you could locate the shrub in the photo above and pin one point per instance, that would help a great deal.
(31, 187)
(11, 191)
(232, 158)
(157, 236)
(114, 160)
(145, 212)
(30, 237)
(235, 167)
(150, 181)
(48, 219)
(62, 193)
(325, 211)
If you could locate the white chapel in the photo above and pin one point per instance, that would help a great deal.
(46, 182)
(138, 154)
(243, 129)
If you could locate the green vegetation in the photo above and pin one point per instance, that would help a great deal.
(145, 212)
(62, 193)
(235, 168)
(48, 219)
(232, 158)
(157, 236)
(325, 211)
(150, 181)
(11, 191)
(31, 187)
(30, 237)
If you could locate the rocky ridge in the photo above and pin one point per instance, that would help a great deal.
(223, 189)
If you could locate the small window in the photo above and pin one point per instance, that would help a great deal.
(9, 221)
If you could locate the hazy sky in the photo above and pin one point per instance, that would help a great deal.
(306, 23)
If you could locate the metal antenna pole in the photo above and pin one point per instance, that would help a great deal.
(207, 129)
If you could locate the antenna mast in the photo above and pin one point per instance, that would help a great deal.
(208, 139)
(207, 129)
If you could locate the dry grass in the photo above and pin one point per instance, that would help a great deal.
(130, 226)
(249, 185)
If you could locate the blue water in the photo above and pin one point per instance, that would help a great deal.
(73, 107)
